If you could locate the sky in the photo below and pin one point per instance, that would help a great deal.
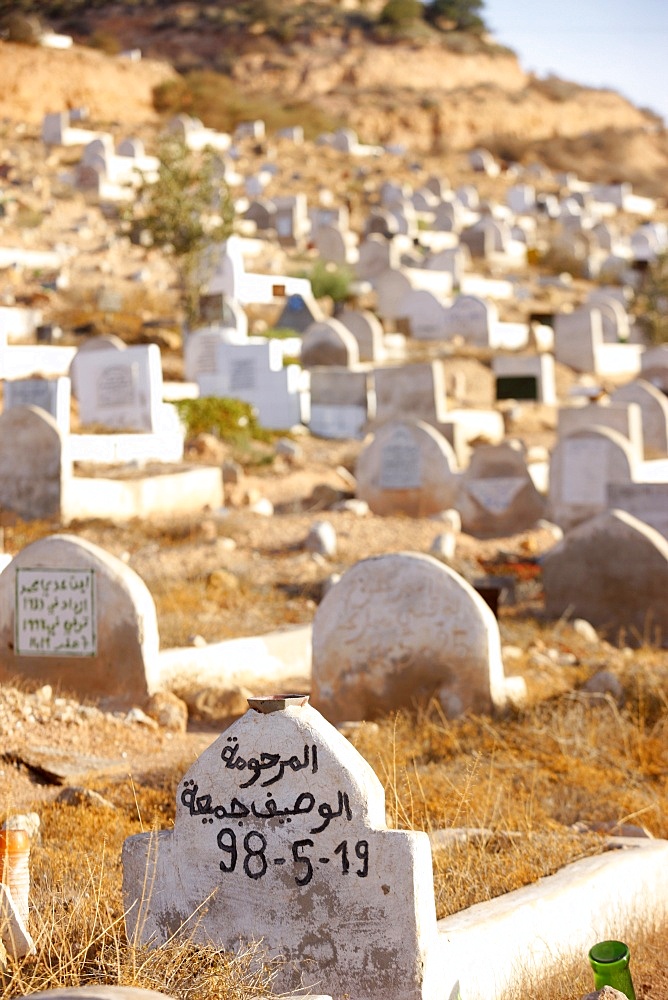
(622, 44)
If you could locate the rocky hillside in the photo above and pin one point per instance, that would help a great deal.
(437, 93)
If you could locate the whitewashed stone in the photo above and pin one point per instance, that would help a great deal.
(35, 470)
(582, 466)
(51, 395)
(424, 314)
(376, 255)
(391, 286)
(612, 571)
(654, 414)
(329, 343)
(497, 496)
(367, 331)
(280, 837)
(100, 343)
(200, 352)
(646, 501)
(407, 468)
(625, 418)
(401, 628)
(416, 391)
(341, 402)
(472, 318)
(121, 389)
(74, 616)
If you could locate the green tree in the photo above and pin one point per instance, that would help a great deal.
(186, 209)
(456, 15)
(651, 301)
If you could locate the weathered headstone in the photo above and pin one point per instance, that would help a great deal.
(613, 572)
(34, 466)
(339, 402)
(280, 837)
(121, 390)
(472, 318)
(397, 629)
(73, 615)
(497, 495)
(367, 331)
(200, 351)
(582, 466)
(329, 343)
(646, 501)
(411, 391)
(623, 417)
(424, 313)
(654, 414)
(51, 395)
(407, 468)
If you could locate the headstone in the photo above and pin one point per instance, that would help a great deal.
(577, 335)
(200, 351)
(391, 286)
(646, 501)
(407, 468)
(367, 330)
(340, 401)
(399, 629)
(376, 255)
(654, 414)
(262, 212)
(424, 314)
(329, 343)
(219, 310)
(308, 867)
(121, 390)
(622, 417)
(497, 496)
(100, 343)
(472, 318)
(613, 572)
(654, 367)
(331, 245)
(51, 395)
(74, 616)
(411, 391)
(34, 467)
(582, 466)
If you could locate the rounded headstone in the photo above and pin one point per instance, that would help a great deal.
(329, 343)
(407, 468)
(398, 629)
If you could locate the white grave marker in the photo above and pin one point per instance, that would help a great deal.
(280, 837)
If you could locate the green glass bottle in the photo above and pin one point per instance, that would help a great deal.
(610, 962)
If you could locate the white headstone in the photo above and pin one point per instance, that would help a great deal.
(407, 468)
(52, 395)
(280, 837)
(74, 616)
(121, 390)
(399, 629)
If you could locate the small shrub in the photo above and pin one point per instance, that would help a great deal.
(330, 280)
(23, 29)
(651, 301)
(400, 13)
(229, 419)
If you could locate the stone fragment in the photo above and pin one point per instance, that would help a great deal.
(321, 539)
(168, 710)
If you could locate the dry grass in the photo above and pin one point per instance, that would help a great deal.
(523, 781)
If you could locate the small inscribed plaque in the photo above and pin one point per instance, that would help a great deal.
(55, 612)
(400, 464)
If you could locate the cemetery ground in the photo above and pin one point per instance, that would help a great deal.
(521, 794)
